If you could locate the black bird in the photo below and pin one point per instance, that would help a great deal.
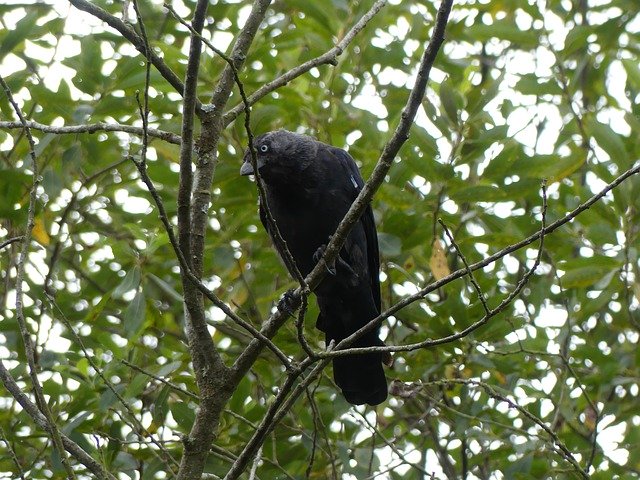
(309, 187)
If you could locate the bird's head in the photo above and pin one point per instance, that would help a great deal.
(279, 154)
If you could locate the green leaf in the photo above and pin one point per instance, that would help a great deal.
(504, 30)
(584, 277)
(389, 245)
(633, 72)
(134, 315)
(608, 140)
(23, 30)
(183, 414)
(130, 282)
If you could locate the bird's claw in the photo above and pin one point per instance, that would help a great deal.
(331, 267)
(289, 303)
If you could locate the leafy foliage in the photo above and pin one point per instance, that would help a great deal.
(520, 93)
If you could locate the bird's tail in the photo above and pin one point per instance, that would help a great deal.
(361, 377)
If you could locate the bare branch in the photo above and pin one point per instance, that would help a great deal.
(136, 425)
(57, 249)
(238, 54)
(391, 444)
(212, 129)
(13, 455)
(177, 388)
(283, 402)
(162, 213)
(328, 58)
(273, 227)
(93, 128)
(466, 264)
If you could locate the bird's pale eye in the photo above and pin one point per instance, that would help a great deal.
(264, 148)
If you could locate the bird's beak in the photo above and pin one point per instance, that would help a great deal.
(247, 168)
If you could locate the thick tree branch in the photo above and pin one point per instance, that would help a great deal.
(164, 218)
(212, 129)
(282, 246)
(209, 369)
(328, 58)
(32, 410)
(94, 127)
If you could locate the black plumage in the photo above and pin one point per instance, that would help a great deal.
(309, 187)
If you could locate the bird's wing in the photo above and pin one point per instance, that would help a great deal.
(367, 221)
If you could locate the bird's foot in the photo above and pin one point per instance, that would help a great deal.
(317, 256)
(337, 264)
(289, 303)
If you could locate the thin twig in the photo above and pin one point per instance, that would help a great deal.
(391, 148)
(57, 249)
(273, 227)
(275, 321)
(254, 465)
(23, 258)
(160, 379)
(195, 280)
(374, 323)
(12, 453)
(466, 264)
(9, 241)
(136, 40)
(390, 443)
(302, 340)
(144, 109)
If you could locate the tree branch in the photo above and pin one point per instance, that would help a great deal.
(9, 241)
(275, 321)
(209, 369)
(94, 127)
(563, 450)
(212, 129)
